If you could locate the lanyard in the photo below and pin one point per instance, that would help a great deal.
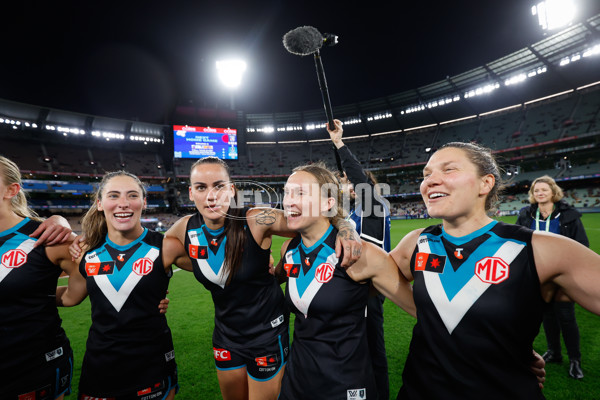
(537, 219)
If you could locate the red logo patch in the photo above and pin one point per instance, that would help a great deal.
(14, 258)
(92, 268)
(492, 270)
(222, 354)
(324, 273)
(143, 266)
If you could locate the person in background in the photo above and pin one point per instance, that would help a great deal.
(549, 213)
(480, 285)
(369, 213)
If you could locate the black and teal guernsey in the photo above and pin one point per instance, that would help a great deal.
(250, 309)
(30, 327)
(330, 355)
(129, 344)
(479, 308)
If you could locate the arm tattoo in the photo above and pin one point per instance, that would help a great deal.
(266, 217)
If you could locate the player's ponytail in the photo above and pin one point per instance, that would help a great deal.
(18, 203)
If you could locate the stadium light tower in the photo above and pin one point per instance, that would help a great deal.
(230, 73)
(554, 14)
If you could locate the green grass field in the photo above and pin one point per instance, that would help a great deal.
(191, 316)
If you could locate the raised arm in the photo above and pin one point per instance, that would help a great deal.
(565, 263)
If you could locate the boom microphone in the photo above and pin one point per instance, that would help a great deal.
(306, 40)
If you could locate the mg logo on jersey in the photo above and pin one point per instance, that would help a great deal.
(492, 270)
(143, 266)
(222, 354)
(324, 273)
(14, 258)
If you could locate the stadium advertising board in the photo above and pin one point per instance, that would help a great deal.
(199, 142)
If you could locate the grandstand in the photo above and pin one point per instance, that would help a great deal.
(537, 108)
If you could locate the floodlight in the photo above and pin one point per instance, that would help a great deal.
(554, 14)
(230, 72)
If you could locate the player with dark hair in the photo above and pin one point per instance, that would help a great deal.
(229, 245)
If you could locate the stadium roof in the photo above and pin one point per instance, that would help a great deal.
(554, 64)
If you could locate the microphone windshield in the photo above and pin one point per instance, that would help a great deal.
(303, 41)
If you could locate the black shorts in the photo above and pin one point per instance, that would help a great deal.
(49, 381)
(261, 363)
(154, 391)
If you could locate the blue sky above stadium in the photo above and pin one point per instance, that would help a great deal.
(136, 59)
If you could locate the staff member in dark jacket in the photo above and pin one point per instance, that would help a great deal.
(550, 213)
(370, 215)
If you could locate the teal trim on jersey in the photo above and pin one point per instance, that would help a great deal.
(303, 281)
(214, 232)
(129, 245)
(15, 228)
(215, 261)
(314, 246)
(467, 238)
(14, 242)
(453, 281)
(118, 277)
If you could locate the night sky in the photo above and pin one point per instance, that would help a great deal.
(138, 60)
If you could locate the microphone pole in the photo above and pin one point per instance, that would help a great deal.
(323, 87)
(327, 105)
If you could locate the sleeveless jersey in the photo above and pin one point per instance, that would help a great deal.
(129, 343)
(30, 327)
(479, 308)
(330, 356)
(250, 310)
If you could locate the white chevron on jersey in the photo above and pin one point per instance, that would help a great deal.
(302, 303)
(26, 246)
(221, 278)
(452, 311)
(118, 297)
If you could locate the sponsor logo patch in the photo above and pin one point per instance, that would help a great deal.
(198, 252)
(14, 258)
(222, 354)
(292, 270)
(103, 268)
(324, 273)
(277, 321)
(492, 270)
(430, 262)
(143, 266)
(54, 354)
(458, 253)
(356, 394)
(170, 355)
(266, 361)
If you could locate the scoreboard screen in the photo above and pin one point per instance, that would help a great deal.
(200, 141)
